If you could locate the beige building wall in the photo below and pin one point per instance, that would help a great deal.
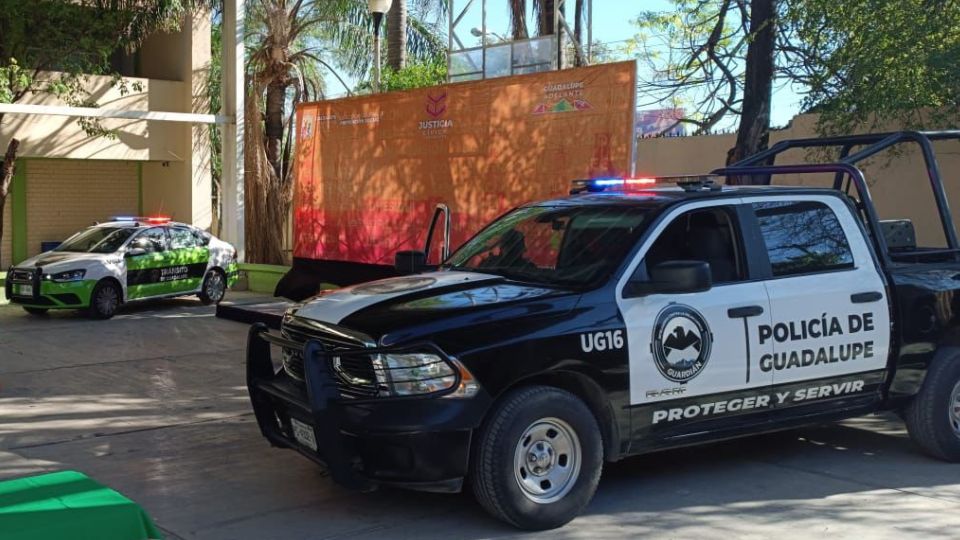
(898, 180)
(174, 158)
(66, 195)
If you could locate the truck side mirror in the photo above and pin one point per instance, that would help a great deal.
(410, 262)
(672, 277)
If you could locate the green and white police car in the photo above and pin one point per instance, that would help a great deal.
(127, 259)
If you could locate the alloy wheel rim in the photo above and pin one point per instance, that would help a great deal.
(547, 460)
(215, 286)
(107, 300)
(955, 409)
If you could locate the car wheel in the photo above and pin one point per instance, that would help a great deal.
(933, 417)
(36, 310)
(104, 300)
(214, 287)
(538, 458)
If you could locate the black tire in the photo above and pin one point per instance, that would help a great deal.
(214, 287)
(933, 417)
(105, 300)
(38, 311)
(497, 476)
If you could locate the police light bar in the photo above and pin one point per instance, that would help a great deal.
(687, 182)
(154, 220)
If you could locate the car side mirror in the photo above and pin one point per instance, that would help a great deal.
(672, 277)
(410, 262)
(135, 252)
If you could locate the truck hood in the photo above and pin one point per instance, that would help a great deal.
(378, 307)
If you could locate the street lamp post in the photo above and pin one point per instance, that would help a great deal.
(377, 9)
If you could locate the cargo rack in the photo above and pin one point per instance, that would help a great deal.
(763, 165)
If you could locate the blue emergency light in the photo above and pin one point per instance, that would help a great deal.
(686, 182)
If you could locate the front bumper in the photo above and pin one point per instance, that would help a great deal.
(418, 443)
(46, 294)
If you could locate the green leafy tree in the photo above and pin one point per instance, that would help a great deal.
(870, 62)
(428, 73)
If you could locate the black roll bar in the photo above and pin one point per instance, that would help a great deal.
(874, 143)
(840, 169)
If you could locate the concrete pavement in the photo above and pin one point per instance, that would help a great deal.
(152, 403)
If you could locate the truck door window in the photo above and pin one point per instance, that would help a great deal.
(701, 235)
(802, 238)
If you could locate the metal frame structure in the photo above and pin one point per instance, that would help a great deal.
(456, 45)
(231, 122)
(763, 164)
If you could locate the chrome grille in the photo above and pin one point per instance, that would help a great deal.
(354, 374)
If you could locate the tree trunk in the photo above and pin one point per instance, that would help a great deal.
(753, 135)
(397, 35)
(546, 17)
(267, 196)
(276, 96)
(6, 178)
(578, 33)
(518, 19)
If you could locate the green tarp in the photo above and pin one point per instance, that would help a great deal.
(69, 505)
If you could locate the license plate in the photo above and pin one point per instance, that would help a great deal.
(303, 433)
(24, 290)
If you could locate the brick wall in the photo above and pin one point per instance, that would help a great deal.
(64, 196)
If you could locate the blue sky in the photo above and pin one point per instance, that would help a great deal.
(612, 24)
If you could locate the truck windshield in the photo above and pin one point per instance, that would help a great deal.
(554, 245)
(97, 240)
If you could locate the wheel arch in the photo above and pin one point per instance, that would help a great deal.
(590, 392)
(115, 281)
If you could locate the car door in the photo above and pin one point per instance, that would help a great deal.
(693, 357)
(188, 260)
(831, 326)
(146, 258)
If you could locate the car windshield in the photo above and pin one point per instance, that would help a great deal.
(554, 245)
(97, 240)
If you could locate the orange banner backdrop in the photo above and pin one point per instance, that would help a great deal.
(371, 169)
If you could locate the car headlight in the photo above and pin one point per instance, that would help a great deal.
(64, 277)
(411, 374)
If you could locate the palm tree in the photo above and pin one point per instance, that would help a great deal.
(397, 35)
(543, 11)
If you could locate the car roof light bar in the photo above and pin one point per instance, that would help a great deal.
(153, 220)
(695, 182)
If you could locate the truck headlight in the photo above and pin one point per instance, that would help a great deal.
(410, 374)
(64, 277)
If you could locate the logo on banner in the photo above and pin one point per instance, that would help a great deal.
(436, 108)
(563, 97)
(306, 131)
(436, 105)
(681, 343)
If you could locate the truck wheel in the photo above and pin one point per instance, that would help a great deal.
(36, 310)
(538, 458)
(214, 287)
(104, 300)
(933, 417)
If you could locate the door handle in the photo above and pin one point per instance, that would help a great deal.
(866, 297)
(745, 311)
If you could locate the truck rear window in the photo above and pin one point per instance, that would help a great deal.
(802, 237)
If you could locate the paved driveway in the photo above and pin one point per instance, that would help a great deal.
(152, 403)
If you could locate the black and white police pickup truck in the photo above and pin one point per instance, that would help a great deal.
(624, 319)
